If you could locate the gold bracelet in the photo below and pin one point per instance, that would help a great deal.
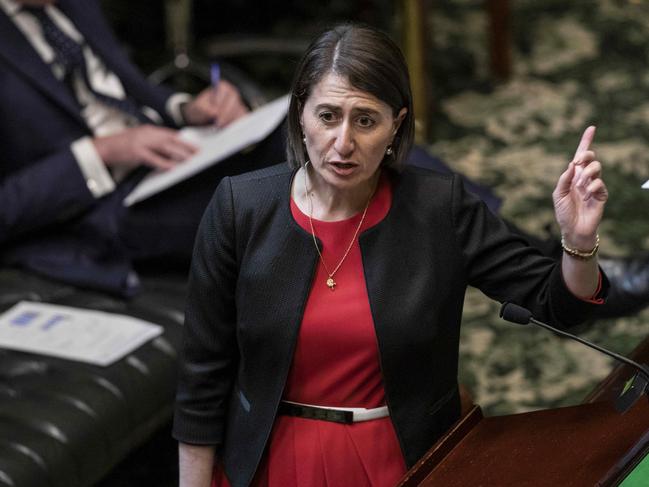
(580, 254)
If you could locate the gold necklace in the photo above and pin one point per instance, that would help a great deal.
(331, 283)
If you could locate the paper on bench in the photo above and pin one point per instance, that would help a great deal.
(645, 185)
(95, 337)
(214, 146)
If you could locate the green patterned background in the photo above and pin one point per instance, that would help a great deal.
(574, 64)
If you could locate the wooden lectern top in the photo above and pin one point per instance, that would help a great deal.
(585, 445)
(579, 446)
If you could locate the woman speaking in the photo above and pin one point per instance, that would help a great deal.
(325, 297)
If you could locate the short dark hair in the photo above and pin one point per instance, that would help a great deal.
(372, 63)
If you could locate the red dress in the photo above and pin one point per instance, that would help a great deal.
(336, 363)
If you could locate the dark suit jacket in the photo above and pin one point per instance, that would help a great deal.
(49, 220)
(251, 276)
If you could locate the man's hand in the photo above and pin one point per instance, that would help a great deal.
(220, 106)
(149, 145)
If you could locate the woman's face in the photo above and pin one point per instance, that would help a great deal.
(347, 132)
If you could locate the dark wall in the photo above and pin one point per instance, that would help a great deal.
(141, 24)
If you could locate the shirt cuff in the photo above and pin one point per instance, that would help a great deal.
(98, 179)
(596, 297)
(173, 107)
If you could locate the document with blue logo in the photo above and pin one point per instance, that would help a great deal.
(95, 337)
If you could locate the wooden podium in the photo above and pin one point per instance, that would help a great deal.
(586, 445)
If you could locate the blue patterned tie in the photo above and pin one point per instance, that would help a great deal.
(69, 55)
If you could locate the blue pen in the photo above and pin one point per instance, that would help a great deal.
(215, 79)
(215, 76)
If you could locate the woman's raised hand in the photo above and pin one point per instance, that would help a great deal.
(580, 196)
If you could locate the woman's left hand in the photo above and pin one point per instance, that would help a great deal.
(580, 196)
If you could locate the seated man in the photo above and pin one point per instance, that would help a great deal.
(79, 127)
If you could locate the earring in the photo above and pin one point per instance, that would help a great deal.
(389, 151)
(304, 140)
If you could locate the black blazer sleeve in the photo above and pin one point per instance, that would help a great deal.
(506, 268)
(210, 348)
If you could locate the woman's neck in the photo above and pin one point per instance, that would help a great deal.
(326, 203)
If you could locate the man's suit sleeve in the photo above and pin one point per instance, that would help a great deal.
(210, 352)
(50, 189)
(504, 267)
(44, 193)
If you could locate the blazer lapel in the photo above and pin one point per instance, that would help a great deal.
(22, 57)
(284, 296)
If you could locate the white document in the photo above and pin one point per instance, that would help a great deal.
(95, 337)
(646, 185)
(214, 145)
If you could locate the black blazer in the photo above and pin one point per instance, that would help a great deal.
(251, 275)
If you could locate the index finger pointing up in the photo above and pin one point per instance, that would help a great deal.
(586, 140)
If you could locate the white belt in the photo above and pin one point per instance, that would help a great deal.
(357, 414)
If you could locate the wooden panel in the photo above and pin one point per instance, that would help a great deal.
(589, 444)
(414, 47)
(499, 38)
(612, 386)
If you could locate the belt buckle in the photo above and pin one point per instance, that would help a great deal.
(324, 414)
(344, 417)
(333, 415)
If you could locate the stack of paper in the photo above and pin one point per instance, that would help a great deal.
(214, 145)
(89, 336)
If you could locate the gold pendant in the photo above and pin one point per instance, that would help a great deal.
(331, 283)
